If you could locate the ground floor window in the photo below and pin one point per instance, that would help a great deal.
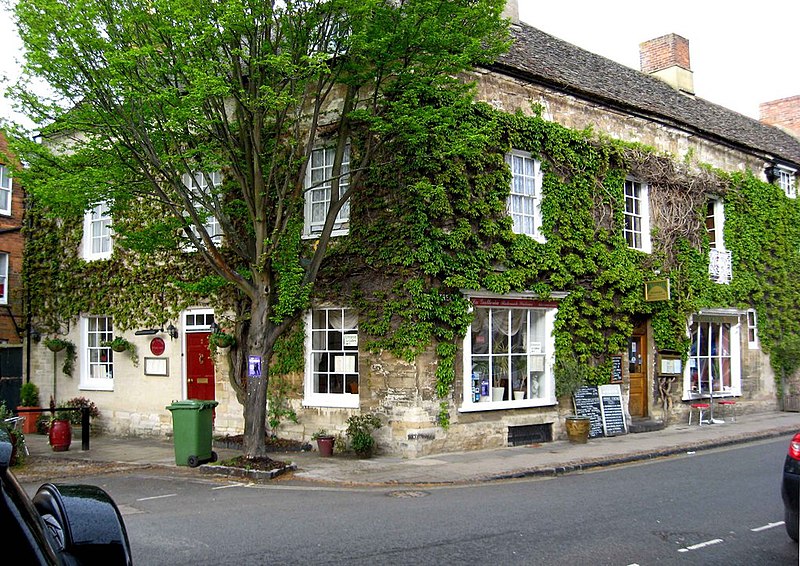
(97, 361)
(714, 364)
(508, 354)
(331, 358)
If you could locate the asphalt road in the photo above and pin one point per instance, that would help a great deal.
(716, 507)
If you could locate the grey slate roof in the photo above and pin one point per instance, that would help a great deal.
(541, 58)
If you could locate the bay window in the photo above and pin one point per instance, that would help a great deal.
(508, 354)
(714, 358)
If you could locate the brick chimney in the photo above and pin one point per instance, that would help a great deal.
(783, 113)
(667, 58)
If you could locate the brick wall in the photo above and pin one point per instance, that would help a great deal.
(11, 242)
(784, 113)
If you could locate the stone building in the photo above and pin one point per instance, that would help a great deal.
(504, 389)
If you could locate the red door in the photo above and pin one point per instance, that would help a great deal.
(199, 367)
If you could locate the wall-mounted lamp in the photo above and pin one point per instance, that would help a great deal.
(172, 331)
(772, 172)
(214, 327)
(35, 336)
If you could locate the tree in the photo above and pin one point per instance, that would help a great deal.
(198, 111)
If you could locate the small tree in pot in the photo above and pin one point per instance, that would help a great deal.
(571, 374)
(359, 430)
(29, 400)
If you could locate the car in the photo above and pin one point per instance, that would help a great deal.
(790, 487)
(61, 525)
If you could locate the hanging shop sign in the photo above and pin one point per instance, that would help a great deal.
(656, 290)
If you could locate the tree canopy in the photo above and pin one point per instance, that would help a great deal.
(197, 122)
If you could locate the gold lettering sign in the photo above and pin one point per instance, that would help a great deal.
(657, 290)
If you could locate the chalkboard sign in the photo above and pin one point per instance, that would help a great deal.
(587, 404)
(611, 408)
(616, 369)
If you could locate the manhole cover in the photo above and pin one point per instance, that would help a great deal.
(407, 493)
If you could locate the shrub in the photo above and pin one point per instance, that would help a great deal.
(359, 430)
(78, 402)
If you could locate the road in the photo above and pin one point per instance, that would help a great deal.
(715, 507)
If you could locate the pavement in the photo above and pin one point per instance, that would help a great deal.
(113, 453)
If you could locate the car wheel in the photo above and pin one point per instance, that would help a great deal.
(791, 521)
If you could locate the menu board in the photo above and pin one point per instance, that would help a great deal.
(611, 409)
(616, 369)
(587, 404)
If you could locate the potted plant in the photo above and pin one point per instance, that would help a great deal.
(570, 375)
(56, 345)
(120, 344)
(60, 434)
(220, 341)
(324, 442)
(28, 401)
(359, 431)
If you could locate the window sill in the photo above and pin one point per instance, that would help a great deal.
(334, 401)
(97, 386)
(501, 405)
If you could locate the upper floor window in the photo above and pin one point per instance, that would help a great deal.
(787, 182)
(201, 184)
(752, 330)
(97, 360)
(637, 216)
(5, 190)
(97, 232)
(719, 259)
(3, 278)
(332, 358)
(319, 183)
(524, 202)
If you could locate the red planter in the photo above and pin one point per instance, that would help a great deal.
(29, 424)
(325, 445)
(60, 435)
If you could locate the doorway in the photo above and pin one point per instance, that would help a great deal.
(199, 367)
(637, 369)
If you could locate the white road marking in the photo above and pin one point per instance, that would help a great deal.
(227, 486)
(701, 545)
(767, 526)
(158, 497)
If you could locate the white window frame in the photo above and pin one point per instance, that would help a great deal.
(752, 330)
(787, 181)
(97, 233)
(346, 354)
(538, 355)
(6, 193)
(197, 183)
(636, 229)
(318, 192)
(96, 361)
(700, 352)
(719, 260)
(4, 261)
(524, 203)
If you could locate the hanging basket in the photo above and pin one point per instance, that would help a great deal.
(119, 347)
(55, 345)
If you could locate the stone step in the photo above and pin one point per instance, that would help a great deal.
(645, 425)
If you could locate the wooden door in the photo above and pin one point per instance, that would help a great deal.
(199, 367)
(637, 368)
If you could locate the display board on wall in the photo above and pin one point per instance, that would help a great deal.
(616, 369)
(611, 410)
(587, 404)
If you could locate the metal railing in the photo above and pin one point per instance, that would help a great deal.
(84, 419)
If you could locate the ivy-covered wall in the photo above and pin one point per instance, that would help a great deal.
(432, 223)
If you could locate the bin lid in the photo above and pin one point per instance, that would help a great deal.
(192, 404)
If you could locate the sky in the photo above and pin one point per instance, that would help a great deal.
(741, 54)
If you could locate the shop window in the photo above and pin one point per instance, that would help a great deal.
(714, 364)
(508, 355)
(332, 366)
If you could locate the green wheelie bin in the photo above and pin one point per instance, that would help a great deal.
(192, 421)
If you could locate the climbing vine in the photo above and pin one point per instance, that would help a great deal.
(431, 223)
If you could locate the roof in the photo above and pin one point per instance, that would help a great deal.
(541, 58)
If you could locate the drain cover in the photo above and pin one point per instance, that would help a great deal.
(408, 493)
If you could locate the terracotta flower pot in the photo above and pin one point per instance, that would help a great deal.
(325, 445)
(29, 424)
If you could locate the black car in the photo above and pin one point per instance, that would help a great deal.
(61, 525)
(789, 487)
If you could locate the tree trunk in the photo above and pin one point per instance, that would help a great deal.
(261, 338)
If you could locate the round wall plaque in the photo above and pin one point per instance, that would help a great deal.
(157, 346)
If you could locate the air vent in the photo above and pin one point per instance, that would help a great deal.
(530, 434)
